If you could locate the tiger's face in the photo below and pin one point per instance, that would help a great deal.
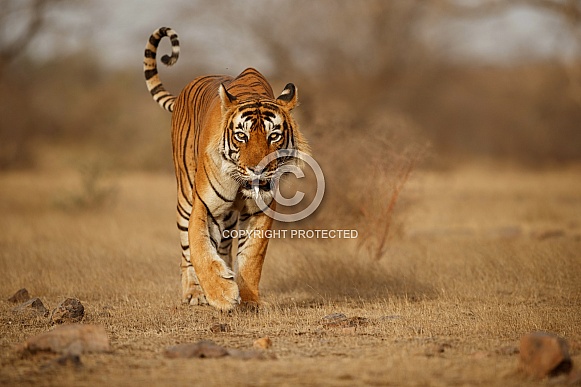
(253, 130)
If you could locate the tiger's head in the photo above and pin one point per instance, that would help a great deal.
(254, 129)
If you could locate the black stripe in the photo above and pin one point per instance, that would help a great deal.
(229, 216)
(183, 213)
(182, 228)
(245, 217)
(189, 263)
(228, 238)
(214, 188)
(207, 209)
(163, 31)
(169, 102)
(184, 248)
(161, 94)
(251, 105)
(214, 242)
(226, 243)
(241, 242)
(150, 74)
(150, 54)
(154, 41)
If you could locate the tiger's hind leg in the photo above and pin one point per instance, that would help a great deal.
(192, 292)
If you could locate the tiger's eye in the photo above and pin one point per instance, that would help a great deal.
(241, 136)
(274, 137)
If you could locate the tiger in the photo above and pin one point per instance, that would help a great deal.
(221, 129)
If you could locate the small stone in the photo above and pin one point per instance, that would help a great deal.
(548, 234)
(508, 350)
(339, 320)
(71, 359)
(32, 305)
(209, 349)
(220, 328)
(263, 343)
(20, 296)
(201, 349)
(73, 339)
(334, 320)
(544, 354)
(358, 321)
(436, 349)
(69, 311)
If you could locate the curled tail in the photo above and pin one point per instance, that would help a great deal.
(163, 97)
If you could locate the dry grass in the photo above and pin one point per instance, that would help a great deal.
(482, 256)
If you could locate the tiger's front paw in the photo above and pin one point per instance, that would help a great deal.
(223, 294)
(221, 290)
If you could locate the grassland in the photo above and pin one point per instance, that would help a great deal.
(478, 256)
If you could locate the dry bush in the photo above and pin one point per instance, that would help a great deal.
(93, 192)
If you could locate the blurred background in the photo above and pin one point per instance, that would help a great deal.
(468, 79)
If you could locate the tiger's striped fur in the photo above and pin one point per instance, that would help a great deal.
(222, 127)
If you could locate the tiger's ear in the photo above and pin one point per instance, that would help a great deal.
(289, 98)
(228, 100)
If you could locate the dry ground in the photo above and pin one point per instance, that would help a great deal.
(482, 256)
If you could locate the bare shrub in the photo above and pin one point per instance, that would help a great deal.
(93, 192)
(387, 182)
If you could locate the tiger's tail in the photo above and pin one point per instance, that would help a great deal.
(160, 95)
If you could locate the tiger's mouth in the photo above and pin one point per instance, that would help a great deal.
(260, 184)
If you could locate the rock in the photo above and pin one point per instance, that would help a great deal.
(436, 349)
(219, 328)
(20, 296)
(69, 311)
(547, 234)
(334, 320)
(201, 349)
(339, 320)
(72, 359)
(209, 349)
(263, 343)
(33, 305)
(73, 339)
(507, 350)
(544, 354)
